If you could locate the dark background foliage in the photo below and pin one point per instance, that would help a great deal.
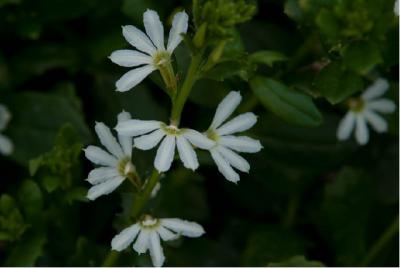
(308, 200)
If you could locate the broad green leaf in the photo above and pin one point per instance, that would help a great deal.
(296, 261)
(345, 214)
(272, 244)
(290, 105)
(267, 57)
(31, 199)
(327, 23)
(361, 57)
(27, 251)
(336, 84)
(35, 126)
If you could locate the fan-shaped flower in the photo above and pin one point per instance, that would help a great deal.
(115, 167)
(149, 231)
(223, 152)
(365, 109)
(6, 146)
(152, 54)
(172, 137)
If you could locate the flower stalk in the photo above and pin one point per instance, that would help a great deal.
(184, 92)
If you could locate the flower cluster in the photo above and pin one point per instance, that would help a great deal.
(365, 109)
(6, 146)
(116, 164)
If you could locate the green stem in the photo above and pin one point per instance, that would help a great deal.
(387, 235)
(110, 259)
(184, 92)
(291, 211)
(137, 208)
(145, 194)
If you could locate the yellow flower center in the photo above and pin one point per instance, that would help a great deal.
(126, 168)
(357, 105)
(148, 222)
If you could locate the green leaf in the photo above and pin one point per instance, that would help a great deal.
(362, 56)
(12, 224)
(290, 105)
(30, 197)
(336, 84)
(345, 214)
(55, 168)
(267, 57)
(27, 251)
(327, 23)
(35, 126)
(296, 261)
(272, 244)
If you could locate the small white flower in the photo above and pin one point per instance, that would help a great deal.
(223, 152)
(116, 167)
(149, 231)
(173, 137)
(6, 146)
(153, 53)
(364, 109)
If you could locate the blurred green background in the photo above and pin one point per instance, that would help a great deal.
(308, 200)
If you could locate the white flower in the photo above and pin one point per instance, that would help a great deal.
(6, 146)
(223, 152)
(116, 167)
(149, 231)
(152, 54)
(173, 137)
(363, 110)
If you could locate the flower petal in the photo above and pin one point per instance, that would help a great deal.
(224, 167)
(241, 143)
(186, 228)
(100, 157)
(138, 39)
(239, 123)
(179, 26)
(166, 234)
(382, 105)
(135, 127)
(104, 188)
(165, 154)
(156, 251)
(125, 141)
(362, 134)
(122, 240)
(234, 159)
(226, 108)
(149, 141)
(377, 122)
(187, 153)
(99, 175)
(133, 77)
(346, 126)
(6, 146)
(130, 58)
(108, 140)
(142, 243)
(378, 88)
(154, 28)
(197, 139)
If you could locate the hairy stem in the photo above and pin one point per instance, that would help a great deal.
(184, 92)
(387, 235)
